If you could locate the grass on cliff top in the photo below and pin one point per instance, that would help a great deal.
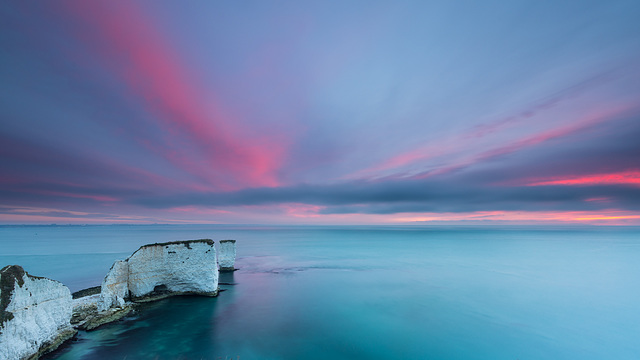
(9, 275)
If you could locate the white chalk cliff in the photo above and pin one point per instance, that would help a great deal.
(34, 314)
(227, 255)
(181, 267)
(159, 270)
(114, 289)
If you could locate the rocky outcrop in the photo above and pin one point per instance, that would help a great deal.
(173, 268)
(152, 272)
(94, 319)
(159, 270)
(83, 309)
(87, 314)
(34, 314)
(227, 255)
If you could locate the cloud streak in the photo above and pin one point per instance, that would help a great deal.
(131, 48)
(220, 112)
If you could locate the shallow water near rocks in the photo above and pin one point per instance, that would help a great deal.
(364, 292)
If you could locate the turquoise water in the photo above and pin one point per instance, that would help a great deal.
(365, 292)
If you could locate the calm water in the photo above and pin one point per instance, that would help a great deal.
(365, 292)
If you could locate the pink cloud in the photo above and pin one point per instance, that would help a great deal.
(458, 153)
(619, 178)
(309, 214)
(603, 217)
(137, 54)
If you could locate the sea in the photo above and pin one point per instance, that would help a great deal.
(363, 292)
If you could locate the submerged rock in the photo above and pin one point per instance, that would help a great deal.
(227, 255)
(35, 314)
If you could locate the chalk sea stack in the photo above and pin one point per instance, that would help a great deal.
(39, 314)
(154, 272)
(34, 314)
(159, 270)
(227, 255)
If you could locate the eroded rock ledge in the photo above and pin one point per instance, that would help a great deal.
(39, 314)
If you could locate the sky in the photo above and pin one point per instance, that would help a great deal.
(320, 112)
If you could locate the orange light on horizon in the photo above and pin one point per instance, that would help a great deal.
(625, 178)
(608, 217)
(295, 213)
(577, 217)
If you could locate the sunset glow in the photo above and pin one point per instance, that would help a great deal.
(602, 218)
(159, 112)
(624, 178)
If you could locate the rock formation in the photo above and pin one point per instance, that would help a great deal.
(153, 272)
(34, 314)
(173, 268)
(227, 255)
(159, 270)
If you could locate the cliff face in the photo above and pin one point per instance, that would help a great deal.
(34, 314)
(115, 288)
(160, 270)
(227, 255)
(181, 267)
